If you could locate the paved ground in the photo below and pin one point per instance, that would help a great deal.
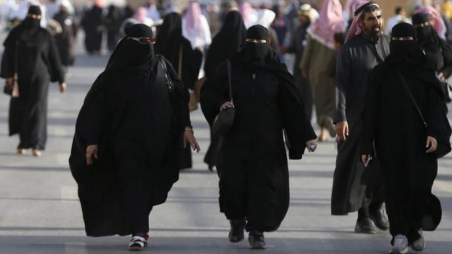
(40, 212)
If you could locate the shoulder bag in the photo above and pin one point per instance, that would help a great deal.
(443, 148)
(225, 119)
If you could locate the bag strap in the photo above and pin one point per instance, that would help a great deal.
(412, 98)
(16, 60)
(169, 81)
(228, 63)
(180, 63)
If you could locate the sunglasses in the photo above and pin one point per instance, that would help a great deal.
(143, 40)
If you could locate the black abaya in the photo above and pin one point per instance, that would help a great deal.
(38, 64)
(172, 45)
(224, 45)
(137, 122)
(92, 24)
(391, 119)
(252, 162)
(66, 39)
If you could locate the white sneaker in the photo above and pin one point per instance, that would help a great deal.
(419, 244)
(400, 245)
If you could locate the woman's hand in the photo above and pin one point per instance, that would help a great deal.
(311, 145)
(189, 138)
(226, 105)
(90, 152)
(63, 87)
(432, 144)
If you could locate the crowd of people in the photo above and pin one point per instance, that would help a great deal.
(379, 94)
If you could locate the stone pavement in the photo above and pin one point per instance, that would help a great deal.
(40, 212)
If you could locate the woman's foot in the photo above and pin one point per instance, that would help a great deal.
(256, 240)
(322, 136)
(399, 245)
(330, 126)
(236, 234)
(37, 153)
(139, 241)
(21, 151)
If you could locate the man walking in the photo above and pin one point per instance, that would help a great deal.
(356, 187)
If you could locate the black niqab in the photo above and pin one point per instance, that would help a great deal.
(256, 52)
(407, 56)
(227, 42)
(169, 38)
(31, 26)
(129, 56)
(427, 36)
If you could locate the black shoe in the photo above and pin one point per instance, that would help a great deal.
(380, 219)
(256, 240)
(365, 226)
(236, 234)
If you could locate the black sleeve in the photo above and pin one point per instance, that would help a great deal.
(447, 55)
(91, 117)
(191, 65)
(214, 93)
(343, 78)
(8, 59)
(370, 113)
(57, 72)
(436, 117)
(297, 127)
(182, 97)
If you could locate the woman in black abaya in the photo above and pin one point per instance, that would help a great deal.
(404, 144)
(437, 50)
(224, 45)
(126, 147)
(37, 64)
(173, 46)
(252, 162)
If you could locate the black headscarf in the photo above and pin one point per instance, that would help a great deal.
(427, 36)
(408, 57)
(169, 38)
(227, 42)
(30, 25)
(129, 56)
(256, 52)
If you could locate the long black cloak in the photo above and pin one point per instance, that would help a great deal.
(391, 120)
(297, 45)
(171, 44)
(92, 23)
(224, 45)
(38, 64)
(131, 113)
(66, 39)
(267, 103)
(355, 62)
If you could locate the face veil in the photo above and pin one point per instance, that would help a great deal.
(256, 47)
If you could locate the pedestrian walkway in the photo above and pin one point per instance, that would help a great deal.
(40, 212)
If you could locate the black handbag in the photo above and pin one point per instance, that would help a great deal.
(12, 89)
(443, 147)
(225, 119)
